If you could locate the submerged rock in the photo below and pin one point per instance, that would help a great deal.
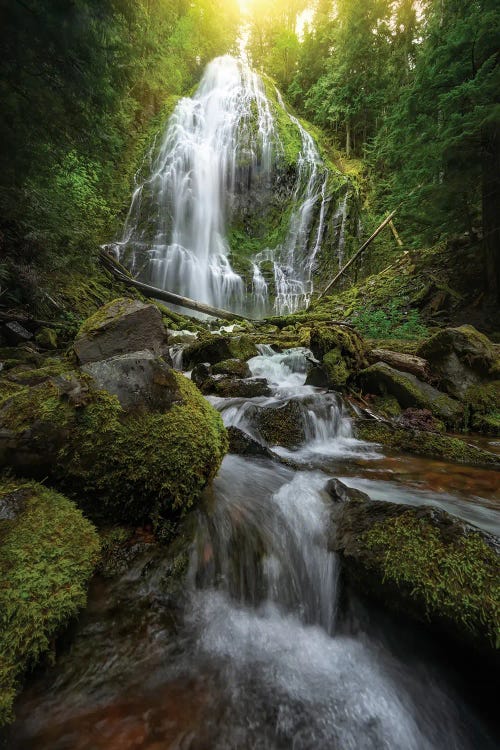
(460, 358)
(424, 443)
(120, 327)
(410, 392)
(48, 552)
(424, 563)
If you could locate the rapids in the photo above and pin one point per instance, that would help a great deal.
(254, 648)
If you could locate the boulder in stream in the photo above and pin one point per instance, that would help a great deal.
(282, 424)
(122, 326)
(125, 451)
(341, 351)
(424, 563)
(214, 348)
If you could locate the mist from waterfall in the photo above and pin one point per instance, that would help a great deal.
(217, 144)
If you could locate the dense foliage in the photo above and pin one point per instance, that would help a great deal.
(80, 81)
(413, 88)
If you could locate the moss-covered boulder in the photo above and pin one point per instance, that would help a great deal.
(236, 367)
(383, 380)
(124, 464)
(424, 563)
(482, 403)
(424, 443)
(459, 358)
(214, 348)
(341, 351)
(282, 424)
(48, 552)
(121, 326)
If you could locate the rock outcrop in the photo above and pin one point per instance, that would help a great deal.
(422, 562)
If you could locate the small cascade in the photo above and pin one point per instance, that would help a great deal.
(220, 145)
(269, 547)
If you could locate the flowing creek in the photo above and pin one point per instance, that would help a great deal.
(255, 647)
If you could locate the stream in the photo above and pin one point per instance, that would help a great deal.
(258, 647)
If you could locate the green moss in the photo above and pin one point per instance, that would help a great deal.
(127, 467)
(384, 380)
(455, 577)
(242, 347)
(231, 367)
(336, 368)
(47, 338)
(423, 443)
(387, 406)
(112, 310)
(482, 403)
(47, 555)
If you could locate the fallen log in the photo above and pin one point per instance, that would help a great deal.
(356, 255)
(161, 294)
(407, 362)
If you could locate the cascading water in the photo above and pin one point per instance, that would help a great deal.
(221, 143)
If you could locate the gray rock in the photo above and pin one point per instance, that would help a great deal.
(14, 333)
(140, 380)
(243, 445)
(341, 493)
(121, 327)
(459, 357)
(409, 391)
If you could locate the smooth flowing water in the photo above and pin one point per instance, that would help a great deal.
(220, 144)
(251, 648)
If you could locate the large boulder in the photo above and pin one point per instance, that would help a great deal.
(48, 552)
(384, 380)
(128, 456)
(140, 381)
(121, 327)
(236, 367)
(424, 563)
(341, 351)
(482, 403)
(459, 358)
(424, 443)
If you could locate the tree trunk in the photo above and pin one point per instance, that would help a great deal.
(491, 209)
(347, 138)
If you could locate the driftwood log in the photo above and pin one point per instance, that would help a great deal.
(153, 292)
(406, 362)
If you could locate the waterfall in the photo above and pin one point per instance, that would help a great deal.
(219, 144)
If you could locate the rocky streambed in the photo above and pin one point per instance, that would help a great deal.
(310, 590)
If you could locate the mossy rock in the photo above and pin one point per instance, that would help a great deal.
(119, 327)
(48, 552)
(424, 563)
(424, 443)
(388, 406)
(341, 350)
(283, 424)
(460, 357)
(381, 379)
(235, 367)
(124, 466)
(47, 338)
(483, 405)
(242, 347)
